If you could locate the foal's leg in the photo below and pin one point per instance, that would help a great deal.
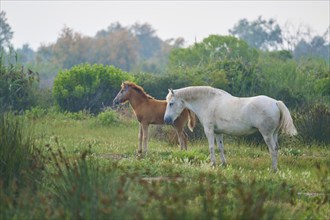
(145, 137)
(219, 139)
(140, 138)
(181, 136)
(210, 137)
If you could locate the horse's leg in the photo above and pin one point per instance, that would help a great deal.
(210, 137)
(140, 138)
(219, 138)
(273, 150)
(145, 137)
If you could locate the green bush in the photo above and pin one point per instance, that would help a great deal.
(313, 124)
(89, 87)
(81, 115)
(36, 112)
(220, 61)
(108, 117)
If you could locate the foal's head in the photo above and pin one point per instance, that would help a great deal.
(128, 89)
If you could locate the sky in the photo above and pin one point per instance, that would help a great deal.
(40, 22)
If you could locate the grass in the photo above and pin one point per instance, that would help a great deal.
(93, 171)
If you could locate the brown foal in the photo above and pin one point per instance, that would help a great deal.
(149, 110)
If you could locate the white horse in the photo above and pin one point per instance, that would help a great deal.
(221, 113)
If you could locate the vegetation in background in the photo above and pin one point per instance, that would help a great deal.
(260, 33)
(17, 85)
(89, 87)
(6, 33)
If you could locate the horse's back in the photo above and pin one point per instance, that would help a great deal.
(263, 112)
(241, 116)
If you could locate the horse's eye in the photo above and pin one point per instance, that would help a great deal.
(171, 103)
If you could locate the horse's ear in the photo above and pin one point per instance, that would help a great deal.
(171, 91)
(124, 84)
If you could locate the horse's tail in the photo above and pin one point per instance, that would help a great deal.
(191, 120)
(286, 123)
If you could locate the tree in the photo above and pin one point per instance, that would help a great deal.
(219, 61)
(117, 47)
(150, 44)
(317, 47)
(26, 54)
(260, 33)
(6, 34)
(71, 48)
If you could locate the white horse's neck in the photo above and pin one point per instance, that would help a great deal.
(197, 98)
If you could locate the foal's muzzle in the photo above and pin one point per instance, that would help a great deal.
(168, 120)
(115, 102)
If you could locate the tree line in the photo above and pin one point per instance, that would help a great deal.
(88, 70)
(137, 48)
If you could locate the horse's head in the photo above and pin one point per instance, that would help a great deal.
(174, 108)
(123, 94)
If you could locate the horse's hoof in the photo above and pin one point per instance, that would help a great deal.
(224, 165)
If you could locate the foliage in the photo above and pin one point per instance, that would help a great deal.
(260, 33)
(17, 86)
(107, 117)
(313, 124)
(89, 87)
(6, 34)
(317, 48)
(25, 54)
(297, 83)
(219, 61)
(158, 85)
(17, 156)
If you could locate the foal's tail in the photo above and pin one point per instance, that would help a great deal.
(286, 123)
(191, 120)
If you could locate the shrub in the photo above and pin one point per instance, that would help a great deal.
(313, 124)
(17, 86)
(81, 115)
(36, 112)
(108, 117)
(89, 87)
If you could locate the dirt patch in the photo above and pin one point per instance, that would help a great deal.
(162, 179)
(111, 156)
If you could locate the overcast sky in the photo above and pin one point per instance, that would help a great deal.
(40, 22)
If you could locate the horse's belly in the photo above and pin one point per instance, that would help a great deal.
(234, 130)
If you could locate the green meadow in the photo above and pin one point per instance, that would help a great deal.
(75, 166)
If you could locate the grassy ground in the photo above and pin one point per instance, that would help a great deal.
(93, 171)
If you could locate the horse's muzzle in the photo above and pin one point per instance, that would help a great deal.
(168, 120)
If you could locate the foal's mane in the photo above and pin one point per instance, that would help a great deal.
(137, 88)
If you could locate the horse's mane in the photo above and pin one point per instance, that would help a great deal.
(196, 92)
(137, 88)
